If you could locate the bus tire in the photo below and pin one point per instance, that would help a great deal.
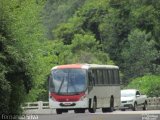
(111, 109)
(93, 109)
(58, 111)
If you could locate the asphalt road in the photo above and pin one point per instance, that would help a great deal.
(116, 115)
(90, 117)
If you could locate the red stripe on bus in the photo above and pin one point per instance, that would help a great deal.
(69, 66)
(67, 98)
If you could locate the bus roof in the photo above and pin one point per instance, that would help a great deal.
(84, 66)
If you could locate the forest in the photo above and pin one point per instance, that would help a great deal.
(36, 35)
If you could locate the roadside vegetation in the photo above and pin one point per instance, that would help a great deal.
(36, 35)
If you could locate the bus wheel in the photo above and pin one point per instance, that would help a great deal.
(81, 110)
(93, 109)
(111, 109)
(58, 111)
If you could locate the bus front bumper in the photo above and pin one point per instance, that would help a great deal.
(68, 105)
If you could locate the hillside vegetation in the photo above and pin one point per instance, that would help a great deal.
(36, 35)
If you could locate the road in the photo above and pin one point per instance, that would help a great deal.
(116, 115)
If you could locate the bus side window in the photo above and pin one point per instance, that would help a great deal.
(95, 76)
(116, 74)
(105, 77)
(99, 76)
(118, 78)
(91, 79)
(111, 78)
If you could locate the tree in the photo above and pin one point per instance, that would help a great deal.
(86, 49)
(138, 54)
(115, 27)
(58, 11)
(13, 74)
(28, 32)
(79, 51)
(79, 33)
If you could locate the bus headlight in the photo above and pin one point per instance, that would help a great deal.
(83, 97)
(52, 98)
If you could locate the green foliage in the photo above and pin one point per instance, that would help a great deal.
(86, 49)
(18, 89)
(118, 24)
(58, 11)
(5, 91)
(36, 35)
(79, 51)
(66, 31)
(79, 35)
(14, 82)
(28, 31)
(112, 23)
(148, 85)
(115, 27)
(5, 88)
(138, 54)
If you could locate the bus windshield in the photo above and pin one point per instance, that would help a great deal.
(68, 81)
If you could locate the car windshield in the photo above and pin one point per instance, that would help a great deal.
(68, 81)
(127, 93)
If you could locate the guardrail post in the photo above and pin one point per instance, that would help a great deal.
(40, 105)
(158, 103)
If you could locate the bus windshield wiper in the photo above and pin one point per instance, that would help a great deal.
(61, 85)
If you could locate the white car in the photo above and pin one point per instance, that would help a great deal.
(131, 99)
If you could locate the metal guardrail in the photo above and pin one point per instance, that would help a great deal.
(36, 105)
(153, 104)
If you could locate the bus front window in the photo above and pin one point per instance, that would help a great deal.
(68, 81)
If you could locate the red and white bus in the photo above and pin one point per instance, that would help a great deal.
(84, 86)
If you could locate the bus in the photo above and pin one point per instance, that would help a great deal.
(84, 86)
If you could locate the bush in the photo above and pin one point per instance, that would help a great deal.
(148, 85)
